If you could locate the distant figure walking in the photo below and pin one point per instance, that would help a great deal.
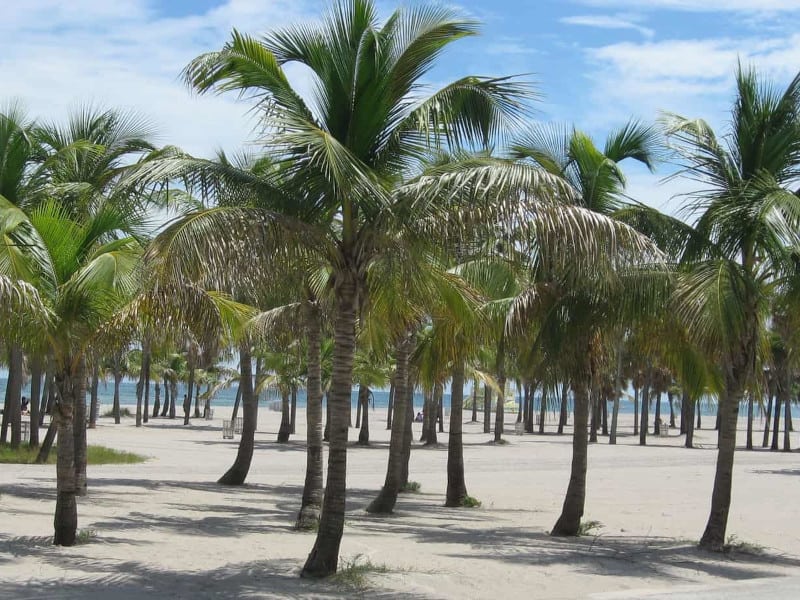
(24, 405)
(419, 418)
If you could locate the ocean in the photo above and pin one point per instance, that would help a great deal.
(379, 399)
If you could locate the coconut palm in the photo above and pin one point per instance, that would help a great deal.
(745, 232)
(580, 307)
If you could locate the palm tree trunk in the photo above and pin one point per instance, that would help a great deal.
(44, 406)
(293, 410)
(12, 415)
(542, 408)
(614, 418)
(604, 415)
(326, 434)
(456, 484)
(363, 402)
(690, 404)
(312, 488)
(237, 474)
(286, 428)
(71, 384)
(475, 386)
(157, 398)
(167, 398)
(593, 400)
(671, 409)
(635, 410)
(79, 429)
(36, 391)
(520, 401)
(749, 441)
(358, 409)
(487, 408)
(776, 423)
(501, 383)
(525, 408)
(117, 382)
(407, 435)
(324, 556)
(93, 408)
(47, 444)
(645, 407)
(390, 406)
(562, 416)
(173, 397)
(765, 441)
(146, 360)
(238, 400)
(572, 511)
(714, 535)
(440, 412)
(699, 409)
(187, 399)
(387, 498)
(787, 424)
(657, 416)
(431, 439)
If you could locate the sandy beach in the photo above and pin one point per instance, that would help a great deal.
(164, 529)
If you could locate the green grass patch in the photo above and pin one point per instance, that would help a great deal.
(734, 544)
(589, 527)
(95, 455)
(354, 573)
(470, 502)
(411, 487)
(85, 536)
(123, 412)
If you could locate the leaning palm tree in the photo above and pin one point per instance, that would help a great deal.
(742, 243)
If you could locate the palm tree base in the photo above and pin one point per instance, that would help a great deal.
(566, 527)
(308, 518)
(66, 519)
(384, 504)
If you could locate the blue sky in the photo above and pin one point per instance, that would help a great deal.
(596, 62)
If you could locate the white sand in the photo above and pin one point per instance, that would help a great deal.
(164, 529)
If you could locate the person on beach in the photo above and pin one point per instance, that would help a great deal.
(419, 418)
(24, 405)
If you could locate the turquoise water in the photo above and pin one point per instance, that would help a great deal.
(380, 398)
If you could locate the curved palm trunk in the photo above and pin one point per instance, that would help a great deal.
(776, 423)
(312, 488)
(324, 556)
(237, 474)
(358, 410)
(47, 444)
(542, 410)
(456, 485)
(787, 425)
(572, 511)
(714, 534)
(749, 440)
(657, 416)
(71, 391)
(293, 411)
(499, 416)
(173, 397)
(407, 435)
(363, 402)
(635, 410)
(671, 409)
(387, 498)
(238, 399)
(286, 427)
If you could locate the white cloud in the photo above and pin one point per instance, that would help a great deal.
(122, 54)
(701, 5)
(607, 22)
(692, 77)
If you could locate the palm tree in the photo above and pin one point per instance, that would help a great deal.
(741, 245)
(581, 306)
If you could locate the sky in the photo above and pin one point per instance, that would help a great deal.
(596, 63)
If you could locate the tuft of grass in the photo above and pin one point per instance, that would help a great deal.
(411, 487)
(588, 527)
(470, 502)
(734, 544)
(353, 573)
(123, 412)
(95, 455)
(85, 536)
